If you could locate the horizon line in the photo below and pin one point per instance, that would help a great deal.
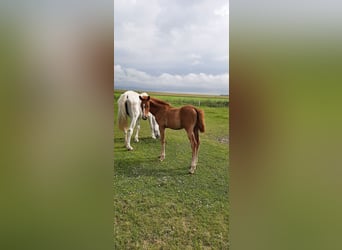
(173, 92)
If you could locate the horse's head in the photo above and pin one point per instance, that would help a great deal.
(145, 106)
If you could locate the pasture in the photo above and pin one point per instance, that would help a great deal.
(158, 205)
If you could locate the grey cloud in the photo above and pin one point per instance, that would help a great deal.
(177, 37)
(129, 78)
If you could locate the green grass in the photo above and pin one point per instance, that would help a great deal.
(183, 99)
(158, 205)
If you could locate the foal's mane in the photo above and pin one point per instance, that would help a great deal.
(160, 102)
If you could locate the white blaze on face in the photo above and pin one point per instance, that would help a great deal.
(144, 105)
(144, 114)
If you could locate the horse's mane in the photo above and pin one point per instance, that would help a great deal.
(158, 101)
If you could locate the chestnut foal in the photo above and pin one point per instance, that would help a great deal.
(188, 117)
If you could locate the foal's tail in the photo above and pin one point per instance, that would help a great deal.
(200, 120)
(122, 115)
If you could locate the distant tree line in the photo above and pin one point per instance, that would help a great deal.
(205, 102)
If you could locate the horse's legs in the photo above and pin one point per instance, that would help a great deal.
(198, 143)
(136, 138)
(154, 127)
(162, 140)
(130, 132)
(193, 143)
(150, 121)
(125, 131)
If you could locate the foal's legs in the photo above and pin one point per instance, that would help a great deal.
(198, 143)
(193, 143)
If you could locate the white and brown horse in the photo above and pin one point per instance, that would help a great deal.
(129, 105)
(187, 117)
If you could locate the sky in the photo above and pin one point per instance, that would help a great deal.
(172, 45)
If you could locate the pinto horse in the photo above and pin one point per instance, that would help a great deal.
(188, 117)
(129, 105)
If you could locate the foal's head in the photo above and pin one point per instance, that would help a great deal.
(145, 106)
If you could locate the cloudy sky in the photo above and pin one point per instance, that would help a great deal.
(171, 45)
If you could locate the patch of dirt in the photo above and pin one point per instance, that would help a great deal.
(224, 140)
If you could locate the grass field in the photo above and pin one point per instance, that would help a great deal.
(158, 205)
(183, 99)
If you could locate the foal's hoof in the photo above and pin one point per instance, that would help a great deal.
(161, 158)
(129, 148)
(192, 170)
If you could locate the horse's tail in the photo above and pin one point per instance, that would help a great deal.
(122, 115)
(200, 120)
